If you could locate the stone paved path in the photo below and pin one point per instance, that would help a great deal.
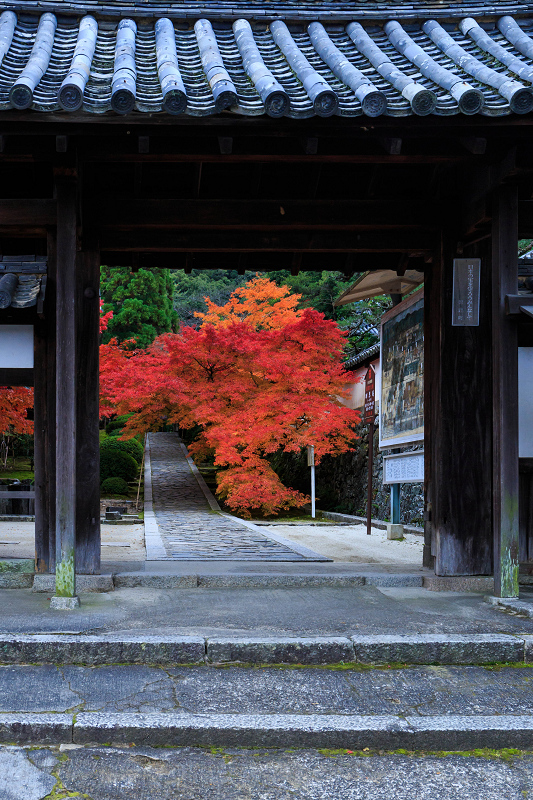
(189, 528)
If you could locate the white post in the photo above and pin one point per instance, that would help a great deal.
(311, 463)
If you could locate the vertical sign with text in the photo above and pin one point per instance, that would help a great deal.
(465, 306)
(370, 396)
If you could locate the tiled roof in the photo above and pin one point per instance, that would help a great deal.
(353, 361)
(22, 281)
(316, 58)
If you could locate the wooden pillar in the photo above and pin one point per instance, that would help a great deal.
(88, 444)
(505, 392)
(45, 422)
(40, 426)
(460, 419)
(50, 431)
(66, 388)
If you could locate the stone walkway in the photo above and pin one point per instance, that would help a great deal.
(190, 529)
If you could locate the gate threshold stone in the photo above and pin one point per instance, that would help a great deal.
(175, 650)
(379, 732)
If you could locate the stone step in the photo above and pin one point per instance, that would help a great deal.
(414, 708)
(115, 648)
(450, 732)
(209, 773)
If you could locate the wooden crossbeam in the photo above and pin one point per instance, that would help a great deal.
(261, 214)
(384, 241)
(31, 212)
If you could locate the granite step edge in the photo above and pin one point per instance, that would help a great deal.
(387, 732)
(109, 648)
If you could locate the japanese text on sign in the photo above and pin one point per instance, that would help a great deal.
(404, 468)
(466, 275)
(370, 395)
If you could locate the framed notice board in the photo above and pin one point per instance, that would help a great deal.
(401, 408)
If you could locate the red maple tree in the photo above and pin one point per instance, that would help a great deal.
(258, 376)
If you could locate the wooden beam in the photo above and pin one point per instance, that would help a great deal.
(505, 393)
(111, 156)
(66, 388)
(144, 144)
(36, 213)
(132, 213)
(88, 543)
(383, 241)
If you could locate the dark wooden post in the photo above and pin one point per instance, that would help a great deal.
(88, 445)
(40, 427)
(45, 422)
(505, 392)
(66, 392)
(432, 322)
(460, 417)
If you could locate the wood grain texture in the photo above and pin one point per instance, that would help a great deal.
(461, 481)
(505, 393)
(66, 387)
(87, 414)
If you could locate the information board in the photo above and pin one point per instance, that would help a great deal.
(401, 406)
(404, 467)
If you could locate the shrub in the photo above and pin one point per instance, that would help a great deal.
(132, 446)
(117, 423)
(114, 486)
(117, 464)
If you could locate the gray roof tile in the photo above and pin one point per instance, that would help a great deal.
(485, 58)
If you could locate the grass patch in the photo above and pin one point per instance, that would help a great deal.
(18, 469)
(508, 754)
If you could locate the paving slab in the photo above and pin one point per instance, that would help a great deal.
(299, 611)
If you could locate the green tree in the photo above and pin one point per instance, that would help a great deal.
(141, 303)
(190, 291)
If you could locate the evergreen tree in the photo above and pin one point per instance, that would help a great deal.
(141, 303)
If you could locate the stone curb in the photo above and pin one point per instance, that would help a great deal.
(480, 648)
(319, 650)
(450, 732)
(84, 583)
(100, 650)
(169, 651)
(251, 580)
(165, 580)
(16, 580)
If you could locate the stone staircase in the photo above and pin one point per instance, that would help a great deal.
(434, 692)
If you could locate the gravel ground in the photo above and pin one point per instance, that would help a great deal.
(351, 543)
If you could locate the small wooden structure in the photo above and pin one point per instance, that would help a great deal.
(338, 135)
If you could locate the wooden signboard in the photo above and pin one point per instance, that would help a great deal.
(370, 396)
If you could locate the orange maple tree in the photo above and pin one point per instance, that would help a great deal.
(258, 376)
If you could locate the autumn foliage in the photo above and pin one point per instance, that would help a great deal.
(258, 376)
(14, 404)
